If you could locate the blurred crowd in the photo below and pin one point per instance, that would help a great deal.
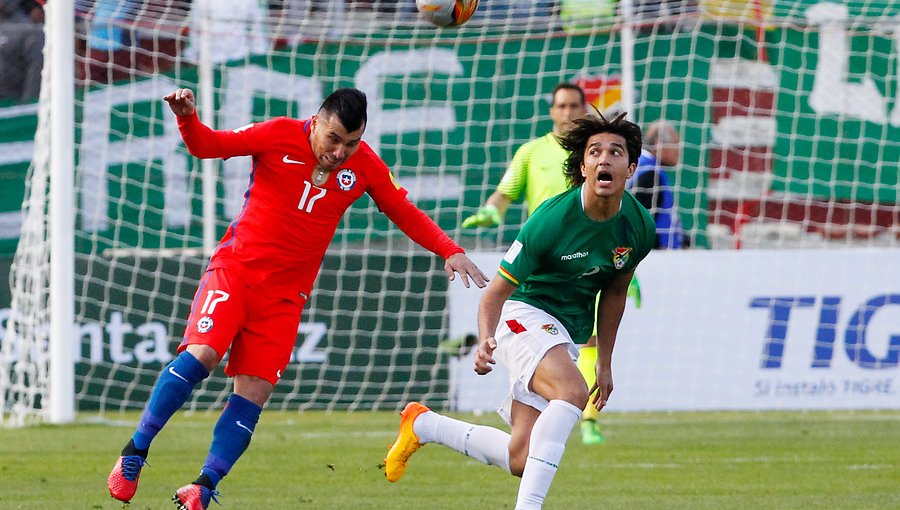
(21, 49)
(117, 39)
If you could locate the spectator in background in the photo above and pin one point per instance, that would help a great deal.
(21, 49)
(586, 14)
(650, 183)
(237, 29)
(110, 40)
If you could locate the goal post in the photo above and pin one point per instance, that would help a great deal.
(38, 383)
(788, 115)
(62, 203)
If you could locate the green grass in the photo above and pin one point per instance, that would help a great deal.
(315, 460)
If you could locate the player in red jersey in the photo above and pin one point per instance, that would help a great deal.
(305, 175)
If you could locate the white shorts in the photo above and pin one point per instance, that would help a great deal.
(524, 335)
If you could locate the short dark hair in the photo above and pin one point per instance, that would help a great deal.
(349, 105)
(575, 141)
(566, 86)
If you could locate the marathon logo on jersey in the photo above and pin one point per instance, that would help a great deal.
(346, 179)
(204, 324)
(621, 256)
(550, 328)
(576, 255)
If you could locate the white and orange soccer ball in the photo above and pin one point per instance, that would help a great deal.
(447, 13)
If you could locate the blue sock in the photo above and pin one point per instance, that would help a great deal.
(171, 391)
(231, 437)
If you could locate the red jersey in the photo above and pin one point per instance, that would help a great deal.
(286, 222)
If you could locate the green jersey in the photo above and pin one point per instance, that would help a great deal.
(562, 258)
(536, 169)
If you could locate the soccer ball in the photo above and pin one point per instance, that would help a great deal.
(447, 13)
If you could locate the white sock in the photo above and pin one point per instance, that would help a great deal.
(545, 450)
(484, 444)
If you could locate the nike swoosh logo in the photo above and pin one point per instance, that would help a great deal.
(176, 374)
(241, 425)
(287, 159)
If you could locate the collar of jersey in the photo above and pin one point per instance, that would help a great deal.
(581, 193)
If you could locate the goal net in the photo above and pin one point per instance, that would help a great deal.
(788, 116)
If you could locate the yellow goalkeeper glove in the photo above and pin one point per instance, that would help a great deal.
(487, 216)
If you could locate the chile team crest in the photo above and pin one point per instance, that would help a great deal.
(204, 324)
(621, 256)
(346, 179)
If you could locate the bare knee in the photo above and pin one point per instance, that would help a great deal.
(205, 354)
(253, 388)
(557, 378)
(576, 395)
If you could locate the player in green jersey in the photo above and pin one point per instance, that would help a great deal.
(587, 240)
(536, 167)
(536, 172)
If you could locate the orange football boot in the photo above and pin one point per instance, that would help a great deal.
(406, 444)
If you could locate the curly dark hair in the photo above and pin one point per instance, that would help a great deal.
(575, 141)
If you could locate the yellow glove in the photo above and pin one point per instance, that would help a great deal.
(487, 216)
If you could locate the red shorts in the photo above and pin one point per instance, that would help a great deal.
(260, 330)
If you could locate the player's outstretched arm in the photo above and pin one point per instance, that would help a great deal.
(181, 102)
(203, 141)
(424, 231)
(460, 263)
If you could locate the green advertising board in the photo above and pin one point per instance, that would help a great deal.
(367, 339)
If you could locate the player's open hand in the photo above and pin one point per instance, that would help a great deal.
(460, 263)
(484, 356)
(181, 102)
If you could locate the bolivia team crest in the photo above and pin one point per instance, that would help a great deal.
(550, 328)
(346, 179)
(621, 256)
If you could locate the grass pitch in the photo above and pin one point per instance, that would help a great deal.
(316, 460)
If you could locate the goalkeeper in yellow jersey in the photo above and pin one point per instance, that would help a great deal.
(536, 168)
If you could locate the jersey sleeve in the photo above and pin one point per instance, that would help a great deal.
(391, 199)
(524, 254)
(205, 142)
(516, 176)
